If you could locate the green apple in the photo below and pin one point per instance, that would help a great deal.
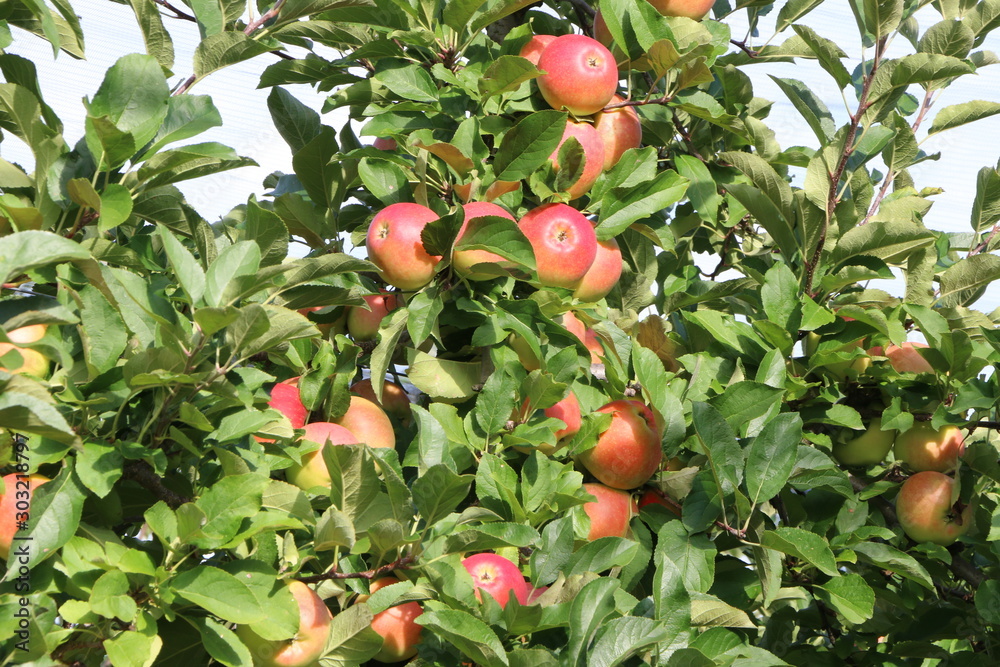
(868, 449)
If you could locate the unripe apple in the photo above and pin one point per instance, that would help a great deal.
(306, 646)
(497, 576)
(904, 358)
(396, 625)
(563, 241)
(532, 49)
(368, 423)
(593, 155)
(628, 453)
(363, 323)
(312, 471)
(923, 447)
(580, 74)
(15, 506)
(603, 274)
(525, 354)
(840, 370)
(610, 512)
(620, 129)
(394, 245)
(868, 449)
(395, 400)
(926, 511)
(464, 260)
(586, 335)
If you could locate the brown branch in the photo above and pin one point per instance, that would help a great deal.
(83, 220)
(686, 136)
(639, 103)
(178, 14)
(253, 26)
(742, 46)
(986, 242)
(677, 509)
(143, 473)
(400, 564)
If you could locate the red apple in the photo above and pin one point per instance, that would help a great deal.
(397, 626)
(567, 411)
(692, 9)
(580, 74)
(306, 646)
(603, 274)
(285, 399)
(532, 50)
(923, 447)
(593, 154)
(654, 497)
(601, 32)
(394, 245)
(868, 449)
(497, 576)
(312, 471)
(464, 260)
(620, 129)
(926, 511)
(904, 358)
(586, 335)
(395, 400)
(564, 243)
(628, 453)
(15, 506)
(610, 512)
(363, 323)
(368, 423)
(385, 143)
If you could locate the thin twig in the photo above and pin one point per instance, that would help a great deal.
(142, 472)
(178, 14)
(742, 46)
(400, 564)
(264, 18)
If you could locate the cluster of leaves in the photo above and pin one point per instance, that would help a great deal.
(167, 520)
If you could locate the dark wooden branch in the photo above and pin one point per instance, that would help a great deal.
(143, 473)
(400, 564)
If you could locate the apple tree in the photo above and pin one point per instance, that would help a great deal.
(675, 394)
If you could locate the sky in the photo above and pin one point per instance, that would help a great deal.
(110, 32)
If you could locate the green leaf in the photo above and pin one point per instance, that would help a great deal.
(887, 557)
(986, 205)
(622, 207)
(221, 642)
(99, 466)
(948, 38)
(710, 611)
(224, 49)
(465, 632)
(622, 638)
(498, 235)
(693, 555)
(457, 14)
(102, 330)
(219, 593)
(793, 10)
(226, 504)
(296, 123)
(988, 601)
(506, 74)
(239, 259)
(771, 457)
(443, 378)
(719, 442)
(186, 268)
(496, 402)
(187, 162)
(850, 595)
(156, 37)
(927, 67)
(411, 82)
(804, 545)
(702, 191)
(438, 491)
(133, 96)
(959, 114)
(211, 16)
(187, 116)
(588, 611)
(882, 16)
(881, 239)
(110, 599)
(526, 146)
(133, 649)
(970, 273)
(810, 107)
(829, 53)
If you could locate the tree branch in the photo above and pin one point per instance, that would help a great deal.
(400, 564)
(143, 473)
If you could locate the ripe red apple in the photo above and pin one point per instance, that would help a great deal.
(610, 512)
(580, 74)
(395, 400)
(564, 243)
(312, 472)
(603, 274)
(385, 143)
(532, 49)
(867, 449)
(464, 260)
(497, 576)
(692, 9)
(285, 399)
(363, 323)
(926, 512)
(654, 497)
(306, 646)
(586, 335)
(397, 626)
(368, 423)
(620, 129)
(566, 410)
(15, 505)
(601, 32)
(593, 153)
(394, 245)
(904, 358)
(628, 453)
(923, 447)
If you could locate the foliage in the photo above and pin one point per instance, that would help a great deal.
(167, 520)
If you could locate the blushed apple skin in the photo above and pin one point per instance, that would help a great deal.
(619, 129)
(904, 358)
(463, 260)
(385, 143)
(362, 323)
(9, 511)
(312, 472)
(692, 9)
(653, 497)
(603, 274)
(497, 576)
(593, 153)
(564, 243)
(566, 410)
(395, 400)
(29, 334)
(394, 245)
(368, 423)
(285, 399)
(610, 513)
(532, 49)
(925, 512)
(396, 625)
(586, 335)
(628, 453)
(923, 447)
(33, 362)
(580, 74)
(309, 642)
(868, 449)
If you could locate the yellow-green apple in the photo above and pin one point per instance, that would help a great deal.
(385, 143)
(620, 129)
(497, 576)
(904, 358)
(368, 423)
(532, 49)
(363, 323)
(308, 644)
(628, 452)
(395, 401)
(692, 9)
(923, 447)
(603, 274)
(464, 260)
(867, 449)
(397, 626)
(563, 241)
(580, 74)
(29, 334)
(927, 511)
(15, 506)
(567, 410)
(593, 156)
(610, 511)
(312, 471)
(525, 354)
(840, 370)
(33, 362)
(586, 335)
(654, 497)
(394, 245)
